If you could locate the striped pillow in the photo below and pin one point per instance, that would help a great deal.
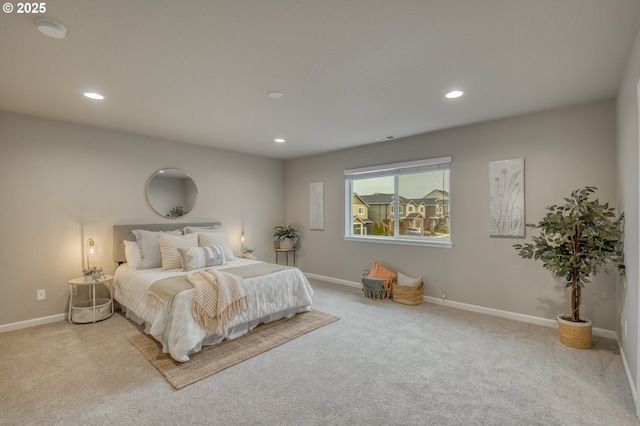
(201, 257)
(149, 248)
(216, 237)
(169, 245)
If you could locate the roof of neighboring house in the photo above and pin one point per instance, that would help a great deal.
(355, 194)
(377, 198)
(435, 201)
(382, 198)
(414, 216)
(435, 193)
(359, 219)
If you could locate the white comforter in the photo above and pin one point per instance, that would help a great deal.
(271, 297)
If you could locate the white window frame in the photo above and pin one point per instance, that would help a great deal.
(395, 170)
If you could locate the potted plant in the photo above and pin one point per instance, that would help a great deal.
(247, 253)
(92, 273)
(577, 239)
(286, 235)
(177, 211)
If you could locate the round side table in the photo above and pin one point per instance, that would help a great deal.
(92, 309)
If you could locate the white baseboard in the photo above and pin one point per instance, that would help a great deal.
(32, 323)
(630, 382)
(609, 334)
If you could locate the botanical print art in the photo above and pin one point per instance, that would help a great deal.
(316, 206)
(506, 198)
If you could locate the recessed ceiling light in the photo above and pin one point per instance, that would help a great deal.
(385, 138)
(275, 94)
(92, 95)
(454, 94)
(279, 140)
(51, 28)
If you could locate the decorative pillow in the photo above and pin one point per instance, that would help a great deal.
(132, 254)
(219, 236)
(201, 257)
(407, 281)
(169, 245)
(149, 247)
(379, 271)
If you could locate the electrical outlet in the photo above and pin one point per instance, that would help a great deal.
(41, 295)
(625, 329)
(74, 290)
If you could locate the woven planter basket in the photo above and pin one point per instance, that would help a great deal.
(575, 334)
(407, 295)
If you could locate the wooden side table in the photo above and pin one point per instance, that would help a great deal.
(92, 309)
(286, 251)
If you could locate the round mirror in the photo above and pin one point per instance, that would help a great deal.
(171, 193)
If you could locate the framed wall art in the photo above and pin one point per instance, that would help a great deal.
(506, 198)
(316, 205)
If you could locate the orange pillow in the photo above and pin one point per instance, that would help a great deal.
(380, 271)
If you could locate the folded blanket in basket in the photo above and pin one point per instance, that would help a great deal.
(374, 287)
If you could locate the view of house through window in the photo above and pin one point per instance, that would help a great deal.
(403, 201)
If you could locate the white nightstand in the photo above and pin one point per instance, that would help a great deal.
(92, 309)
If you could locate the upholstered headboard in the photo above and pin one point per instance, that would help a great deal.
(123, 232)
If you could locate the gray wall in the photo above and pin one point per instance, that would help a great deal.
(61, 184)
(627, 152)
(563, 149)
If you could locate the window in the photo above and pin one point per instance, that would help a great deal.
(422, 186)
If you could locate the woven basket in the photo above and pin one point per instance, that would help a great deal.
(407, 295)
(575, 334)
(375, 288)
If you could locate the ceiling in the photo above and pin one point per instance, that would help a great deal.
(351, 71)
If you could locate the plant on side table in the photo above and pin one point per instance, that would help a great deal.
(92, 273)
(247, 253)
(287, 235)
(577, 239)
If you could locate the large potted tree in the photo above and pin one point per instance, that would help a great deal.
(577, 240)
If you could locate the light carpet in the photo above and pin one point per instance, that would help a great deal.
(213, 359)
(382, 363)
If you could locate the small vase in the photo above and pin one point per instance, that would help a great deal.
(88, 278)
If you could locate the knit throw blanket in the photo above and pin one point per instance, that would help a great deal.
(217, 297)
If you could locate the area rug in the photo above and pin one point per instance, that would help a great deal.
(213, 359)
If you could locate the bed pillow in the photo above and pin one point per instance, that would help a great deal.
(216, 236)
(132, 254)
(407, 281)
(193, 229)
(379, 271)
(169, 245)
(149, 247)
(200, 257)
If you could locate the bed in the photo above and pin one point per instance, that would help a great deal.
(276, 293)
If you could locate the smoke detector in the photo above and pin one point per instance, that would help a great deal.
(51, 28)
